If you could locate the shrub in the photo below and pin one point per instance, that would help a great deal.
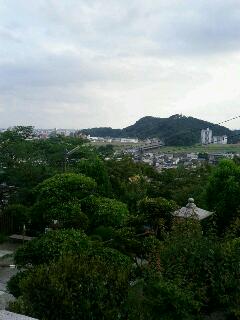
(96, 169)
(64, 187)
(189, 258)
(50, 246)
(78, 287)
(226, 278)
(13, 284)
(157, 298)
(105, 233)
(68, 215)
(157, 213)
(222, 193)
(206, 267)
(58, 198)
(104, 211)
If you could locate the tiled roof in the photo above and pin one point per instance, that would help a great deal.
(192, 211)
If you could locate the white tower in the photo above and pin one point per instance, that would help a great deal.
(206, 136)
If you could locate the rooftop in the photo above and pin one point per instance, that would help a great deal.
(191, 210)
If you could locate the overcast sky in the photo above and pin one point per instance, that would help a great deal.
(80, 64)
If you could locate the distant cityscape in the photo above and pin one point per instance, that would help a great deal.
(149, 150)
(207, 136)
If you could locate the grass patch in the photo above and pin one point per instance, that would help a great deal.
(231, 148)
(212, 148)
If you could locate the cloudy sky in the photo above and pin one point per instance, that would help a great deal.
(80, 64)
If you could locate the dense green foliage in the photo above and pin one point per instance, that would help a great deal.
(13, 285)
(104, 211)
(20, 215)
(58, 198)
(95, 169)
(156, 298)
(223, 192)
(108, 246)
(64, 187)
(157, 213)
(130, 181)
(50, 246)
(103, 288)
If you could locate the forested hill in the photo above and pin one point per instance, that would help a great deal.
(237, 133)
(175, 130)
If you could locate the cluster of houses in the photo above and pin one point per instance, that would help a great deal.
(192, 160)
(47, 133)
(111, 140)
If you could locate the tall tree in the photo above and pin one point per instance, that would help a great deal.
(223, 193)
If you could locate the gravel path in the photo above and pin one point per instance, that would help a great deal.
(6, 259)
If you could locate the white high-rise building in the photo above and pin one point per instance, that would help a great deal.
(206, 136)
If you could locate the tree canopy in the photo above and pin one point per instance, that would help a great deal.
(107, 243)
(223, 193)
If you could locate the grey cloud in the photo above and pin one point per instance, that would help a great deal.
(212, 27)
(8, 34)
(175, 28)
(54, 70)
(99, 58)
(119, 27)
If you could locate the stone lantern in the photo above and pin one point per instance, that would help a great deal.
(192, 211)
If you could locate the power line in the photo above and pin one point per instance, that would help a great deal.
(234, 118)
(232, 136)
(185, 131)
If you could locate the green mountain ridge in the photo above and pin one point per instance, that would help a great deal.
(175, 130)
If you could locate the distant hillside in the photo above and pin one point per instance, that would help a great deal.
(237, 132)
(103, 132)
(175, 130)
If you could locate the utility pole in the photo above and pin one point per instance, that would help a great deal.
(67, 154)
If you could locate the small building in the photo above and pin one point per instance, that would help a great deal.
(192, 211)
(220, 139)
(214, 158)
(128, 140)
(192, 156)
